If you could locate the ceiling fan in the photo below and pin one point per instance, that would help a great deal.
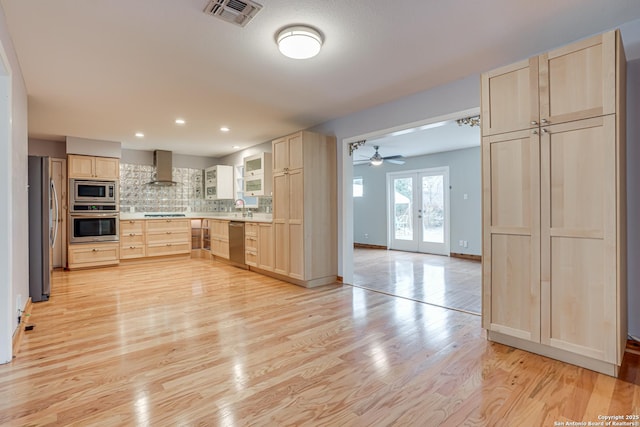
(377, 159)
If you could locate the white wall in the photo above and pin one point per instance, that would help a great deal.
(371, 213)
(14, 253)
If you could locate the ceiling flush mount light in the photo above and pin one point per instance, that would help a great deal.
(299, 42)
(180, 121)
(224, 129)
(139, 135)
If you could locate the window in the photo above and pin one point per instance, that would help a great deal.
(358, 187)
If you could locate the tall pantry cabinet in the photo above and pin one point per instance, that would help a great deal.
(305, 208)
(554, 204)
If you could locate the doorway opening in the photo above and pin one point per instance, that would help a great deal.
(396, 242)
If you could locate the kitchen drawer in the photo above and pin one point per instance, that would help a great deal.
(160, 225)
(251, 257)
(131, 251)
(132, 226)
(168, 249)
(131, 238)
(169, 237)
(93, 255)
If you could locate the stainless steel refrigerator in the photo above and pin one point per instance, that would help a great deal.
(43, 227)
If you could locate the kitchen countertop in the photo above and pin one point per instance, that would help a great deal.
(229, 216)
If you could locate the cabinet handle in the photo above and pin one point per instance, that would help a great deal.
(131, 222)
(545, 131)
(94, 250)
(132, 247)
(168, 232)
(533, 122)
(168, 244)
(132, 234)
(535, 132)
(544, 121)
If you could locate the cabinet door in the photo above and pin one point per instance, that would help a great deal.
(107, 168)
(281, 247)
(511, 253)
(578, 195)
(296, 225)
(579, 81)
(510, 98)
(80, 166)
(265, 247)
(280, 148)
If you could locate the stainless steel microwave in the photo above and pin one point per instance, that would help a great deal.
(94, 227)
(93, 192)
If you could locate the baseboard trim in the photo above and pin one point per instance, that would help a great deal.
(633, 347)
(466, 256)
(17, 335)
(367, 246)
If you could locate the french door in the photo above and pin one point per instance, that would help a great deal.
(418, 204)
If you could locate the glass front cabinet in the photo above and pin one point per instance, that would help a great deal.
(257, 175)
(218, 182)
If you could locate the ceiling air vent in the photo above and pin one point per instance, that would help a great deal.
(238, 12)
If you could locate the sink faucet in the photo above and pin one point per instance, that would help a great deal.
(240, 202)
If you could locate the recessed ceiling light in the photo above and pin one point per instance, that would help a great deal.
(180, 121)
(235, 147)
(224, 129)
(139, 134)
(299, 42)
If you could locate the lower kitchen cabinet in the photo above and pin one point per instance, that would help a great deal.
(83, 255)
(132, 239)
(265, 246)
(168, 237)
(219, 238)
(251, 244)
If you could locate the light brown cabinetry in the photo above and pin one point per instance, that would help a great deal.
(554, 275)
(168, 237)
(83, 255)
(219, 238)
(89, 167)
(251, 244)
(304, 208)
(258, 245)
(265, 246)
(132, 239)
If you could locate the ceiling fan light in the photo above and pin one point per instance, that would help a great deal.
(376, 162)
(299, 42)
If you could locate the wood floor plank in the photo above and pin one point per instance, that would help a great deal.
(191, 342)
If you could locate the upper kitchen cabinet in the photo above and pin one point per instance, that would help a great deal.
(570, 83)
(305, 209)
(218, 182)
(510, 98)
(89, 167)
(257, 175)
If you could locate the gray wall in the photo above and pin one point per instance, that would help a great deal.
(370, 211)
(633, 194)
(41, 147)
(236, 159)
(145, 157)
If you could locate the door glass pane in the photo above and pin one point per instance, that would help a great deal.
(402, 208)
(433, 209)
(253, 185)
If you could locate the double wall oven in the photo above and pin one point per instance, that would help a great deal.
(93, 211)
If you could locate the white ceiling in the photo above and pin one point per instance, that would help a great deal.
(107, 69)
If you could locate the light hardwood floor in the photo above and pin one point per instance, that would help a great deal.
(194, 343)
(439, 280)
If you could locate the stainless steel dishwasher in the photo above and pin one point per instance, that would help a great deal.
(236, 243)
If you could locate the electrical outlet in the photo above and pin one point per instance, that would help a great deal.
(461, 243)
(466, 244)
(366, 235)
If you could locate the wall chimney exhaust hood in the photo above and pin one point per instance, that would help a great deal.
(163, 161)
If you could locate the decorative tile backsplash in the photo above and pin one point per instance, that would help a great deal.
(186, 196)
